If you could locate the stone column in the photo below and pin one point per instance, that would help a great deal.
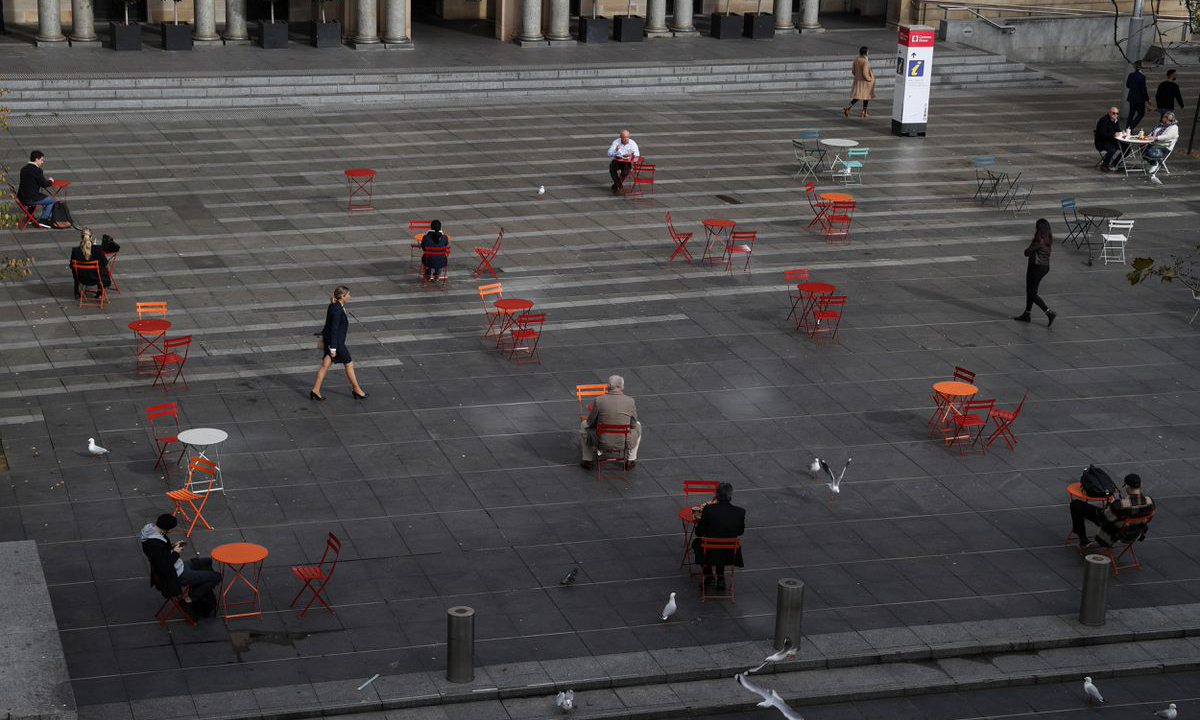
(394, 21)
(235, 22)
(367, 35)
(681, 24)
(560, 21)
(83, 23)
(205, 29)
(810, 12)
(49, 24)
(656, 19)
(783, 17)
(531, 23)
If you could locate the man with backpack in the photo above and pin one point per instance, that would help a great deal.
(29, 192)
(1108, 518)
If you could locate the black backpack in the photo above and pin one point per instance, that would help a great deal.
(108, 245)
(1097, 483)
(60, 216)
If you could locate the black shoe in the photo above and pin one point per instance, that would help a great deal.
(586, 464)
(357, 396)
(313, 396)
(720, 583)
(1023, 317)
(630, 464)
(1050, 315)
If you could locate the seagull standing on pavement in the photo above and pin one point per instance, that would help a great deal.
(1170, 713)
(96, 450)
(787, 652)
(541, 189)
(1092, 692)
(669, 608)
(770, 698)
(565, 701)
(569, 579)
(815, 468)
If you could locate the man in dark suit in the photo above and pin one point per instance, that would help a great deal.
(1167, 96)
(720, 519)
(33, 181)
(1139, 96)
(1106, 127)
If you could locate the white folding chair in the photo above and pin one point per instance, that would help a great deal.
(1115, 240)
(1163, 163)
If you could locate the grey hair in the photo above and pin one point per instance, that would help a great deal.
(616, 382)
(1170, 116)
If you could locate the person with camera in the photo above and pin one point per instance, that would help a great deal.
(1109, 517)
(191, 580)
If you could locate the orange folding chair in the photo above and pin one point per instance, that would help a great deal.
(92, 267)
(1133, 528)
(838, 219)
(681, 240)
(164, 428)
(792, 278)
(740, 241)
(171, 357)
(26, 212)
(606, 458)
(642, 179)
(827, 317)
(191, 492)
(731, 545)
(487, 255)
(1004, 420)
(966, 428)
(316, 577)
(416, 228)
(171, 604)
(440, 280)
(525, 335)
(146, 340)
(819, 207)
(582, 391)
(941, 400)
(707, 488)
(488, 295)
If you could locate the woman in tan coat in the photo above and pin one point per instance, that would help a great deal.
(864, 83)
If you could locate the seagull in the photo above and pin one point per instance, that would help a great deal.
(565, 700)
(835, 483)
(669, 608)
(569, 578)
(1092, 692)
(788, 652)
(1169, 714)
(770, 698)
(541, 189)
(95, 449)
(815, 468)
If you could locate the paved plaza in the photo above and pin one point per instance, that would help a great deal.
(457, 481)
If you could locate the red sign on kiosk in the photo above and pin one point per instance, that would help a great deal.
(916, 38)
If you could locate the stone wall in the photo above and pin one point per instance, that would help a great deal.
(1060, 39)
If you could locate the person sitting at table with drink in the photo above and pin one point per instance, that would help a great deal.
(1165, 135)
(432, 264)
(1105, 139)
(85, 252)
(721, 519)
(623, 151)
(29, 191)
(191, 581)
(614, 407)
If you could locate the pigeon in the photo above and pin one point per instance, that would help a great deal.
(1169, 714)
(569, 578)
(815, 468)
(565, 700)
(1092, 692)
(541, 189)
(669, 608)
(835, 482)
(96, 450)
(770, 698)
(788, 652)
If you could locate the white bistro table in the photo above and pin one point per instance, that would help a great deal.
(1131, 147)
(202, 439)
(836, 146)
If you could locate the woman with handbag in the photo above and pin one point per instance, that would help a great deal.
(89, 278)
(332, 343)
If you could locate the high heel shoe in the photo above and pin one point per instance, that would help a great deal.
(357, 396)
(313, 396)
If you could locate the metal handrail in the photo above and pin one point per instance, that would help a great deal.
(1029, 10)
(1009, 29)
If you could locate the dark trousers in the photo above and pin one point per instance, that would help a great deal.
(198, 573)
(1033, 278)
(1110, 151)
(618, 171)
(1081, 511)
(1137, 111)
(854, 100)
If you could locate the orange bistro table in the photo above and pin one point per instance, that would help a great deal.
(510, 307)
(59, 188)
(236, 556)
(836, 197)
(715, 229)
(957, 392)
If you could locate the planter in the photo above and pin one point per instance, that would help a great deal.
(273, 35)
(176, 36)
(629, 28)
(326, 34)
(593, 30)
(724, 27)
(125, 37)
(759, 26)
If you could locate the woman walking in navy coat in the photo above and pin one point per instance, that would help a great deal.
(333, 341)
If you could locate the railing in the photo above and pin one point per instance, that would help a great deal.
(922, 8)
(1008, 29)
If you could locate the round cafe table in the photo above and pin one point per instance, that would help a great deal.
(837, 145)
(715, 229)
(235, 557)
(147, 333)
(511, 307)
(809, 292)
(836, 197)
(955, 391)
(202, 439)
(1095, 217)
(361, 182)
(59, 188)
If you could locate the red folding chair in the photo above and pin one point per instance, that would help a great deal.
(681, 240)
(1004, 420)
(525, 334)
(91, 267)
(1130, 527)
(727, 544)
(707, 488)
(487, 254)
(314, 574)
(112, 257)
(966, 429)
(488, 295)
(940, 400)
(642, 179)
(190, 493)
(144, 341)
(838, 219)
(441, 280)
(606, 458)
(26, 212)
(361, 182)
(415, 228)
(792, 278)
(740, 241)
(827, 317)
(171, 357)
(593, 390)
(164, 428)
(171, 604)
(819, 207)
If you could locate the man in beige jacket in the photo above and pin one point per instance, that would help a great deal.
(614, 407)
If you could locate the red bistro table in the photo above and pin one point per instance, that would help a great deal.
(236, 556)
(147, 333)
(714, 230)
(956, 393)
(510, 307)
(360, 181)
(59, 188)
(809, 291)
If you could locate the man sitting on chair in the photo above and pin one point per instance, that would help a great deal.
(1106, 129)
(720, 519)
(434, 264)
(171, 572)
(614, 407)
(623, 151)
(1109, 517)
(29, 192)
(1165, 135)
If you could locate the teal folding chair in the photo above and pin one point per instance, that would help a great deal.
(1077, 227)
(985, 182)
(852, 166)
(809, 154)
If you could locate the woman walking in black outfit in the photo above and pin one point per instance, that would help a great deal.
(333, 340)
(1038, 253)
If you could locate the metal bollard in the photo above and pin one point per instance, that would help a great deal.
(1093, 603)
(460, 644)
(789, 611)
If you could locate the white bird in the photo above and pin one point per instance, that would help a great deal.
(787, 652)
(669, 608)
(835, 483)
(95, 449)
(541, 189)
(815, 468)
(770, 698)
(1092, 692)
(565, 701)
(1169, 714)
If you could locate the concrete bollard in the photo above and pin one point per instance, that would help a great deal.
(460, 644)
(789, 611)
(1093, 602)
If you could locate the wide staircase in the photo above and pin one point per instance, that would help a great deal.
(954, 66)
